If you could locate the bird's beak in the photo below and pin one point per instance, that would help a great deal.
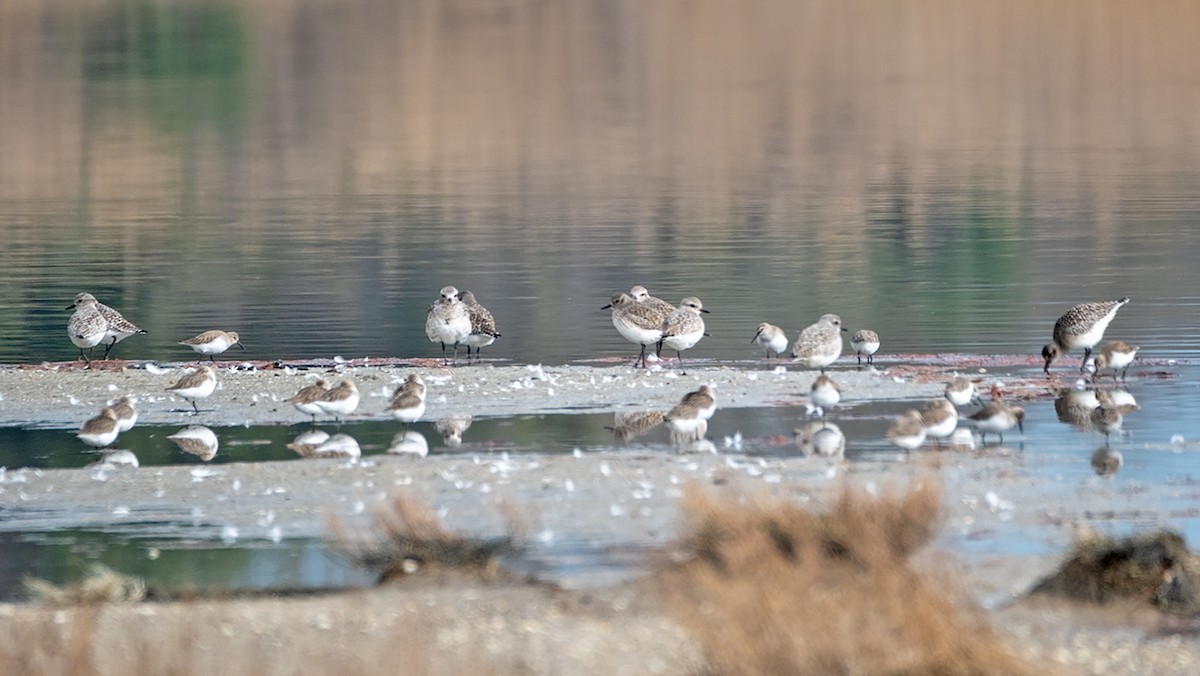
(704, 311)
(70, 307)
(756, 336)
(239, 344)
(606, 306)
(844, 329)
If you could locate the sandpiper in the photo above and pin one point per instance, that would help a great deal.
(865, 341)
(636, 322)
(213, 342)
(686, 424)
(413, 383)
(195, 385)
(940, 419)
(1080, 327)
(483, 325)
(87, 326)
(305, 400)
(126, 411)
(198, 440)
(820, 438)
(960, 391)
(824, 393)
(908, 430)
(448, 321)
(998, 417)
(770, 338)
(1107, 420)
(704, 399)
(1115, 355)
(683, 328)
(407, 406)
(101, 430)
(339, 401)
(820, 344)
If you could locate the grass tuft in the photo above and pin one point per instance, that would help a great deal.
(776, 588)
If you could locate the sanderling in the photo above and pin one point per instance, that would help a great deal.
(198, 440)
(87, 326)
(1080, 327)
(305, 400)
(770, 338)
(195, 385)
(339, 401)
(483, 325)
(908, 431)
(998, 417)
(820, 344)
(940, 419)
(683, 328)
(448, 321)
(637, 323)
(213, 342)
(1115, 355)
(126, 411)
(865, 341)
(101, 430)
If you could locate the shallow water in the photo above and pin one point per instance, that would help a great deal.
(311, 179)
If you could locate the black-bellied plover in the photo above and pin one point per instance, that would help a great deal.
(447, 322)
(1080, 327)
(483, 324)
(87, 326)
(820, 344)
(636, 322)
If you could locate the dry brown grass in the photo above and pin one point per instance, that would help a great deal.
(776, 588)
(408, 537)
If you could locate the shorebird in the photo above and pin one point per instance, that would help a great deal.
(641, 296)
(637, 323)
(1107, 420)
(407, 405)
(101, 430)
(820, 438)
(87, 326)
(1080, 327)
(1074, 407)
(686, 424)
(820, 344)
(865, 341)
(447, 322)
(116, 328)
(339, 401)
(305, 400)
(483, 325)
(770, 338)
(452, 429)
(1115, 355)
(683, 328)
(195, 385)
(940, 419)
(960, 391)
(908, 431)
(704, 399)
(998, 417)
(126, 413)
(1106, 462)
(213, 342)
(825, 393)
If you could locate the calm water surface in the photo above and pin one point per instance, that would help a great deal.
(311, 176)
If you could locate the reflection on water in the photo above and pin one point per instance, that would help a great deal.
(310, 179)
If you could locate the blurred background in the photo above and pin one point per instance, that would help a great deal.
(951, 174)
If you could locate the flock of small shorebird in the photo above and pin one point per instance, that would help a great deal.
(456, 318)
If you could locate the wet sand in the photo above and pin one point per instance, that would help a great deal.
(590, 500)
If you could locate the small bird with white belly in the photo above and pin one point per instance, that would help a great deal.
(960, 391)
(998, 417)
(213, 342)
(117, 328)
(1115, 355)
(408, 401)
(771, 339)
(100, 431)
(339, 401)
(819, 344)
(825, 394)
(865, 341)
(940, 419)
(195, 386)
(683, 328)
(907, 431)
(126, 411)
(305, 400)
(1081, 327)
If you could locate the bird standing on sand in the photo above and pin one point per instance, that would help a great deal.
(305, 400)
(865, 341)
(637, 322)
(447, 322)
(770, 338)
(820, 344)
(483, 325)
(1080, 327)
(683, 328)
(126, 411)
(408, 401)
(213, 342)
(195, 385)
(87, 326)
